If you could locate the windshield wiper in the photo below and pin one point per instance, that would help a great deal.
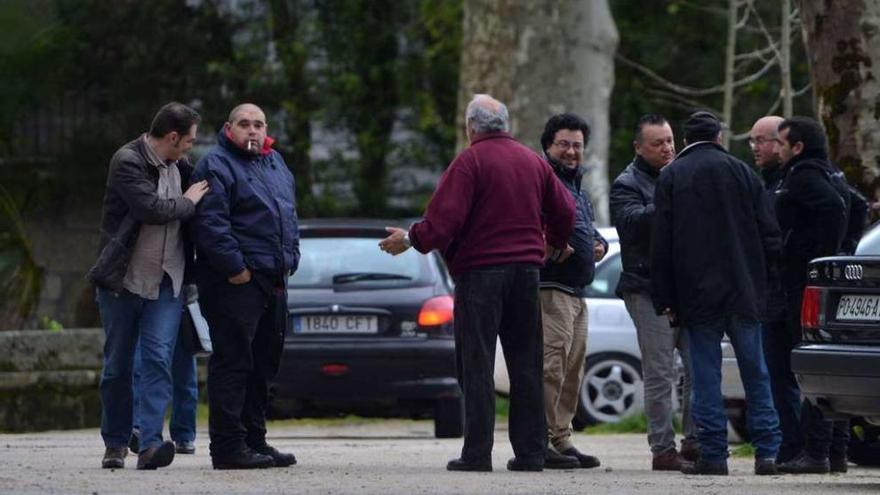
(347, 278)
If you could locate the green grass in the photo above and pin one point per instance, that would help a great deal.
(637, 423)
(743, 450)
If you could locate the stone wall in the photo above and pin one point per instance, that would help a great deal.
(49, 380)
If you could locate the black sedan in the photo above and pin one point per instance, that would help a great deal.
(838, 362)
(371, 333)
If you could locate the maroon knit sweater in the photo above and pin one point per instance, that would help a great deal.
(491, 206)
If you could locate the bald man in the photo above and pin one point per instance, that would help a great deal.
(486, 218)
(777, 340)
(247, 244)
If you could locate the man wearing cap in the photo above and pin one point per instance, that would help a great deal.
(713, 235)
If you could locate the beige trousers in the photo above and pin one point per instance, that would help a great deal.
(564, 320)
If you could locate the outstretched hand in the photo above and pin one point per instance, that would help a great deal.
(395, 243)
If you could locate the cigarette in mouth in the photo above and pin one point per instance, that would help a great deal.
(251, 145)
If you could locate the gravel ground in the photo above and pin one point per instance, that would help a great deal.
(380, 457)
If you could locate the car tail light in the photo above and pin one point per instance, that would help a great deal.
(436, 311)
(334, 369)
(811, 307)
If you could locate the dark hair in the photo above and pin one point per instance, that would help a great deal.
(174, 117)
(568, 121)
(647, 119)
(805, 130)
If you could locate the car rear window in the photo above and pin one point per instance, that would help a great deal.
(322, 258)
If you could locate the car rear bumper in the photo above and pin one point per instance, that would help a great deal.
(840, 379)
(366, 371)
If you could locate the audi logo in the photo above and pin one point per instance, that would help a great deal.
(853, 272)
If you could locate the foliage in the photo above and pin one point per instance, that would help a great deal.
(635, 423)
(20, 276)
(743, 450)
(682, 41)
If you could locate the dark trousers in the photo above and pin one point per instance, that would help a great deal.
(247, 324)
(778, 343)
(490, 302)
(822, 438)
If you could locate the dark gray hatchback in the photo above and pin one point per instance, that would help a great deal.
(838, 362)
(371, 333)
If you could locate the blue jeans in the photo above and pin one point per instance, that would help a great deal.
(708, 403)
(185, 393)
(126, 318)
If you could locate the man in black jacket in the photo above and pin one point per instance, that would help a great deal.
(563, 279)
(713, 233)
(777, 338)
(812, 207)
(632, 210)
(139, 274)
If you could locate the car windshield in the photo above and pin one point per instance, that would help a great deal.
(353, 260)
(607, 274)
(870, 243)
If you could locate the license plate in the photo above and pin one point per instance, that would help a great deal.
(335, 324)
(859, 308)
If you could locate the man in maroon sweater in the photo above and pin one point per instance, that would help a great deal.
(487, 218)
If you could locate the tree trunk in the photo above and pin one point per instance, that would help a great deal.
(729, 68)
(843, 43)
(785, 60)
(542, 58)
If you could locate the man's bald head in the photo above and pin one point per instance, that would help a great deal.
(248, 107)
(486, 114)
(762, 140)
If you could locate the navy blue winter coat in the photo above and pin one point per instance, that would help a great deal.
(248, 217)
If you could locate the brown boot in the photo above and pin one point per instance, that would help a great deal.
(690, 450)
(667, 461)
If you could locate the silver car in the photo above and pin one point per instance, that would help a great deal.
(612, 387)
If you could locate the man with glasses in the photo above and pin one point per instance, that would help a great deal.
(777, 341)
(564, 277)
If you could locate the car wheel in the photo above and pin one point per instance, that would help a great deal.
(611, 390)
(449, 418)
(864, 443)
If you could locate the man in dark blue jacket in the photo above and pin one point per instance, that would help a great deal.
(563, 279)
(247, 244)
(712, 235)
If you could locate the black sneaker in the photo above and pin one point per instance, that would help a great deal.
(804, 464)
(703, 467)
(156, 457)
(765, 467)
(245, 459)
(555, 460)
(838, 464)
(462, 465)
(586, 461)
(518, 464)
(185, 447)
(114, 458)
(280, 459)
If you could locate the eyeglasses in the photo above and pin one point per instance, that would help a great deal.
(761, 140)
(566, 145)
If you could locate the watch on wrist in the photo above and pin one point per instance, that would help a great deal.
(406, 240)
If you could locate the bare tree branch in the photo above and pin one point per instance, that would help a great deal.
(690, 91)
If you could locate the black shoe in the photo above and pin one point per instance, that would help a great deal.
(703, 467)
(134, 441)
(280, 459)
(838, 464)
(765, 467)
(245, 459)
(517, 464)
(804, 464)
(555, 460)
(462, 465)
(185, 447)
(586, 461)
(114, 458)
(156, 457)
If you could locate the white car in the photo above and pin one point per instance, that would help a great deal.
(612, 387)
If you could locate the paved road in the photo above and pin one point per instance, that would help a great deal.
(383, 457)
